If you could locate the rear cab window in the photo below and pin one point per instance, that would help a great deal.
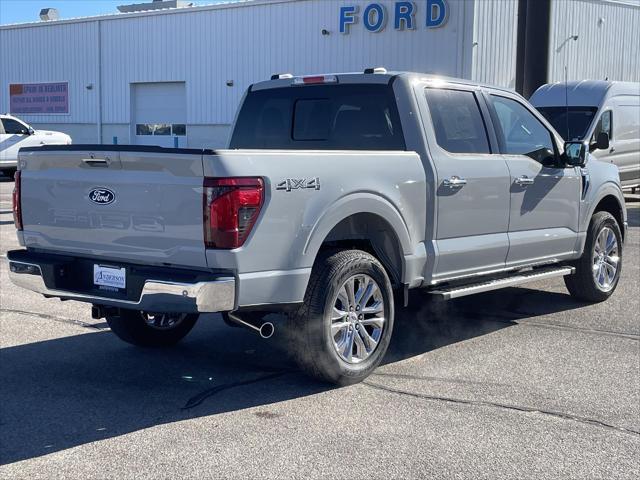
(320, 117)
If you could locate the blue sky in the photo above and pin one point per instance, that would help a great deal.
(19, 11)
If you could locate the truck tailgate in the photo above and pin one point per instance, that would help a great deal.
(137, 205)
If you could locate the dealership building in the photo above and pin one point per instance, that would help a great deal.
(171, 71)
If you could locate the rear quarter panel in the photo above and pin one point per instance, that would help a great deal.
(295, 221)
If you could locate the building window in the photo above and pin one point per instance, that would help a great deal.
(179, 129)
(162, 129)
(144, 129)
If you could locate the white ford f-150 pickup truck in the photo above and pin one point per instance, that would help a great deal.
(337, 194)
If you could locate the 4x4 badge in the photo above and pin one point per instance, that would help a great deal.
(298, 183)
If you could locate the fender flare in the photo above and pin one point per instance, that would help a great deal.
(352, 204)
(607, 189)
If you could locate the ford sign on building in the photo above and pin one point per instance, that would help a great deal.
(153, 75)
(376, 15)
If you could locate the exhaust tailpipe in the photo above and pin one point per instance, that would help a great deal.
(265, 330)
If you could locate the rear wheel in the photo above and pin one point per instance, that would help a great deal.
(146, 329)
(342, 331)
(598, 270)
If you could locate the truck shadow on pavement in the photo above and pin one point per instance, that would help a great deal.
(70, 391)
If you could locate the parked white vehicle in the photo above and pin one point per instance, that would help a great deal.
(15, 134)
(598, 107)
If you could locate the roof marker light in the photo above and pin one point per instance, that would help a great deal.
(280, 76)
(378, 70)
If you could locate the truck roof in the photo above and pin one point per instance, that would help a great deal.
(583, 93)
(361, 77)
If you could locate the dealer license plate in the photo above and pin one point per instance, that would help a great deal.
(109, 277)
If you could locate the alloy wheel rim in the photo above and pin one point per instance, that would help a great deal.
(357, 318)
(606, 259)
(163, 321)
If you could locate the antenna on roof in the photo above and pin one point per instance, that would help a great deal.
(566, 99)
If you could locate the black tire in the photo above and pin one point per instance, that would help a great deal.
(132, 327)
(309, 329)
(582, 285)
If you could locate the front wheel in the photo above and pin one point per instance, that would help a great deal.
(598, 270)
(146, 329)
(343, 329)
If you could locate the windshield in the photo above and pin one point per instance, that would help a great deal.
(580, 119)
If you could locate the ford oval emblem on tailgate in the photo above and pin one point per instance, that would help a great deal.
(102, 196)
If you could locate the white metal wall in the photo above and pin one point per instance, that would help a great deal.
(206, 47)
(495, 29)
(246, 44)
(53, 53)
(608, 44)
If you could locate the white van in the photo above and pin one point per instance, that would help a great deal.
(596, 107)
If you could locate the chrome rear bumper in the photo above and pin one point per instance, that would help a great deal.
(157, 295)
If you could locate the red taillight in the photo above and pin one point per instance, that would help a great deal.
(17, 210)
(231, 208)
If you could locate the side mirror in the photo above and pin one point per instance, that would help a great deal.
(31, 131)
(575, 154)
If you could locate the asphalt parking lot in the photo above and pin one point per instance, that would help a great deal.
(523, 383)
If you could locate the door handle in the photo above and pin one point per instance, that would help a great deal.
(454, 182)
(523, 181)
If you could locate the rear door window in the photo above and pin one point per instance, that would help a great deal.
(457, 121)
(320, 117)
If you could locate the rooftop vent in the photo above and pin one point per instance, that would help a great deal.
(47, 14)
(155, 5)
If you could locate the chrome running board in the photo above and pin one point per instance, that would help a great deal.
(511, 281)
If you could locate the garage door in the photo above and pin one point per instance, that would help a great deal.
(159, 113)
